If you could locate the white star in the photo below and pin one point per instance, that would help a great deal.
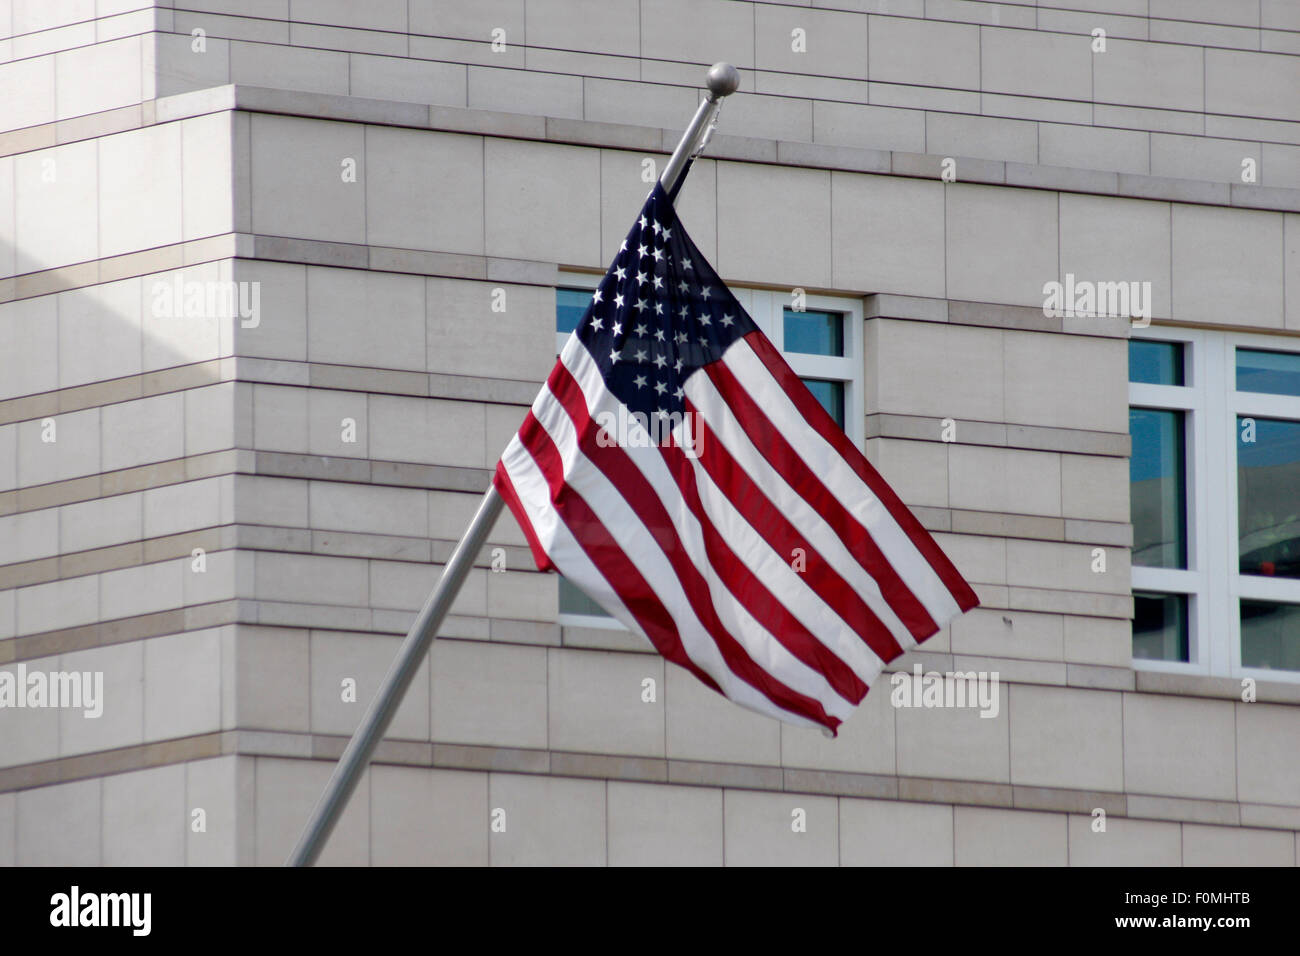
(639, 381)
(678, 367)
(622, 246)
(657, 253)
(727, 320)
(659, 335)
(640, 305)
(620, 272)
(618, 328)
(640, 355)
(613, 355)
(661, 414)
(597, 323)
(679, 393)
(688, 265)
(681, 338)
(704, 319)
(667, 233)
(659, 308)
(657, 228)
(659, 282)
(660, 388)
(641, 222)
(640, 329)
(641, 251)
(618, 301)
(660, 361)
(640, 278)
(704, 292)
(685, 313)
(595, 296)
(682, 286)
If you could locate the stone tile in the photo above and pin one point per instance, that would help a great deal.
(151, 429)
(888, 234)
(953, 52)
(1124, 842)
(757, 239)
(1001, 244)
(429, 431)
(1003, 479)
(991, 837)
(102, 76)
(865, 743)
(424, 190)
(1240, 83)
(597, 704)
(953, 743)
(1179, 747)
(1036, 64)
(704, 725)
(1065, 381)
(719, 31)
(299, 187)
(834, 43)
(1117, 240)
(59, 825)
(144, 817)
(548, 821)
(271, 680)
(286, 792)
(556, 224)
(895, 833)
(415, 81)
(182, 688)
(868, 127)
(462, 330)
(1162, 75)
(917, 470)
(1266, 735)
(363, 660)
(489, 694)
(658, 825)
(1066, 738)
(425, 817)
(934, 354)
(58, 185)
(99, 332)
(1236, 846)
(1227, 266)
(760, 829)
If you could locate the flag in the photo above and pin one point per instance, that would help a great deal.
(677, 470)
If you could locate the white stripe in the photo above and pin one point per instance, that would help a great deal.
(623, 524)
(761, 646)
(714, 410)
(842, 481)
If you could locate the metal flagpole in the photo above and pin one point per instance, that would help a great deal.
(723, 80)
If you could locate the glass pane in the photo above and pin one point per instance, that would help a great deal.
(570, 305)
(1277, 373)
(830, 394)
(1270, 635)
(1160, 627)
(1158, 488)
(1268, 497)
(573, 600)
(814, 333)
(1155, 363)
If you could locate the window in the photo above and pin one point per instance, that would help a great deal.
(822, 341)
(1215, 503)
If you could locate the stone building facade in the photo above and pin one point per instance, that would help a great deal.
(278, 280)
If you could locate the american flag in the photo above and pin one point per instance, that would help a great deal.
(677, 470)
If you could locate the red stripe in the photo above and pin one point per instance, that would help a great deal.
(787, 462)
(783, 537)
(506, 489)
(610, 559)
(820, 419)
(637, 490)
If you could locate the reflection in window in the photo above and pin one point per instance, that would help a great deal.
(1270, 635)
(1268, 497)
(815, 333)
(570, 306)
(1158, 488)
(1155, 363)
(1277, 373)
(831, 396)
(573, 600)
(1160, 627)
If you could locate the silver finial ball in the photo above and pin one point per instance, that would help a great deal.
(724, 79)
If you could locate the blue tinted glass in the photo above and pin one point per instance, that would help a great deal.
(570, 304)
(1157, 488)
(1277, 373)
(1268, 497)
(814, 333)
(831, 395)
(1155, 363)
(1160, 627)
(1270, 635)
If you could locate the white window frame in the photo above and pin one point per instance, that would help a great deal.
(767, 309)
(1214, 587)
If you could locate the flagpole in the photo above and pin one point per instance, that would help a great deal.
(723, 80)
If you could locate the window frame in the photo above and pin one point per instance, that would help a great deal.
(1212, 582)
(767, 309)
